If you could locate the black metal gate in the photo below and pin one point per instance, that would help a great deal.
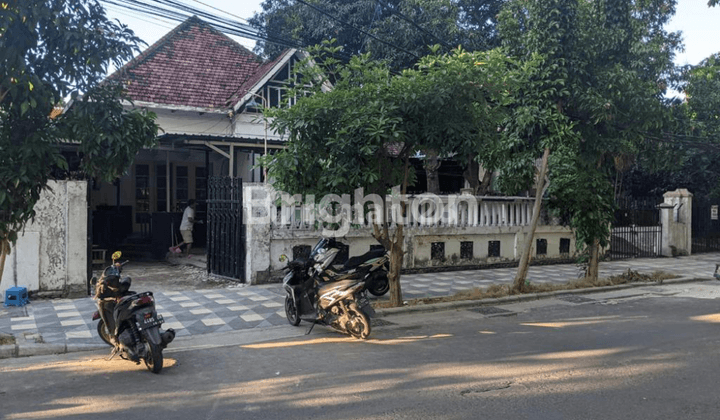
(637, 230)
(705, 225)
(225, 228)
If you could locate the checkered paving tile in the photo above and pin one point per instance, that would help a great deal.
(194, 312)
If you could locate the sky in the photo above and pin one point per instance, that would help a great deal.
(699, 23)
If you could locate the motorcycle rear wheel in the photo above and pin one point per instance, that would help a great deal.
(103, 332)
(379, 286)
(154, 359)
(291, 311)
(359, 324)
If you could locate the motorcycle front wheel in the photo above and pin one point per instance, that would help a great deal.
(154, 358)
(359, 324)
(104, 333)
(291, 311)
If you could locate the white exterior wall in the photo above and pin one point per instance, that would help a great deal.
(51, 253)
(505, 222)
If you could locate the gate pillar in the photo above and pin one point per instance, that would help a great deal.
(676, 219)
(260, 211)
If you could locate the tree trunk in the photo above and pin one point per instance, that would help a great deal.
(396, 260)
(4, 251)
(472, 175)
(395, 245)
(524, 264)
(432, 164)
(593, 269)
(485, 184)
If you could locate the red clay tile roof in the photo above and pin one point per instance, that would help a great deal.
(193, 65)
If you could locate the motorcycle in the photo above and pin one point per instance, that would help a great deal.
(341, 303)
(127, 320)
(373, 266)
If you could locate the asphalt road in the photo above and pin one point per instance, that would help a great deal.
(647, 353)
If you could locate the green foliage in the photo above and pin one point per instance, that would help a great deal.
(468, 23)
(703, 97)
(359, 133)
(603, 70)
(49, 51)
(687, 156)
(109, 137)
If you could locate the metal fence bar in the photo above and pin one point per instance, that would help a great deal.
(226, 234)
(636, 230)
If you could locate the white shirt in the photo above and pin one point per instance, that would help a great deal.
(187, 215)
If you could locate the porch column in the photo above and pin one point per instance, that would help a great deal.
(167, 182)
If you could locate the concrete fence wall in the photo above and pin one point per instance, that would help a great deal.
(51, 253)
(440, 231)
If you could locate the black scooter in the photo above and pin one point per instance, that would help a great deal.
(128, 320)
(373, 266)
(341, 303)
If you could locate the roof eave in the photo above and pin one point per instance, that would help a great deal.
(171, 107)
(268, 75)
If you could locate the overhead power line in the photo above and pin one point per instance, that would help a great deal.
(178, 11)
(413, 23)
(349, 25)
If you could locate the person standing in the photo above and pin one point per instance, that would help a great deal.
(186, 228)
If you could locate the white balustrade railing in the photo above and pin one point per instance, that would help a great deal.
(420, 211)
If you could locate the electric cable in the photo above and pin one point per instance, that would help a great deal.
(226, 25)
(349, 25)
(413, 23)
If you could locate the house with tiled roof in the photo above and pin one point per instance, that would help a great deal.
(207, 91)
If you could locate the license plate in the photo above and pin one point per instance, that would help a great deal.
(366, 307)
(151, 321)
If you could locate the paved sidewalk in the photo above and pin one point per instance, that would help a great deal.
(65, 325)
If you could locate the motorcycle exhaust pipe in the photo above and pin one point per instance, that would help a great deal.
(167, 337)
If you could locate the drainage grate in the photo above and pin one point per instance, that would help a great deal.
(375, 322)
(575, 299)
(491, 310)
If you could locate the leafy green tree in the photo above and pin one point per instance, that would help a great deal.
(400, 31)
(362, 133)
(608, 63)
(686, 155)
(52, 50)
(703, 97)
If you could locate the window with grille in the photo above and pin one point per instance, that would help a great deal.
(142, 188)
(161, 196)
(437, 251)
(181, 189)
(466, 250)
(541, 247)
(493, 248)
(564, 245)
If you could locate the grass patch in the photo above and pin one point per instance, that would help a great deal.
(6, 339)
(503, 290)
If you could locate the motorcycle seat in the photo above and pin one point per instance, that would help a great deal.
(357, 261)
(342, 284)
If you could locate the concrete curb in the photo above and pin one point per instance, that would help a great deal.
(463, 304)
(8, 351)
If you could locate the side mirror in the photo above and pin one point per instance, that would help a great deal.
(93, 281)
(116, 255)
(283, 258)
